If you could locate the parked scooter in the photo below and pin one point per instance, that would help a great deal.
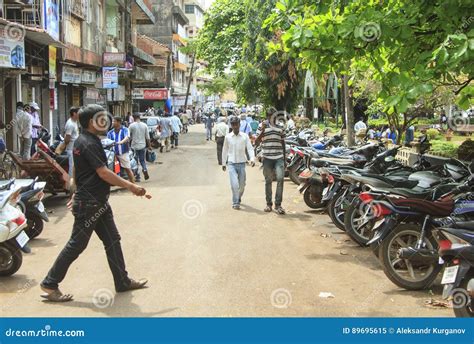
(12, 236)
(30, 203)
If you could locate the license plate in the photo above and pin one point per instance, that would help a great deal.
(325, 190)
(40, 207)
(22, 239)
(449, 275)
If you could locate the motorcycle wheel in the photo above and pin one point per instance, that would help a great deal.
(313, 197)
(463, 305)
(336, 210)
(11, 259)
(294, 174)
(358, 224)
(404, 273)
(35, 226)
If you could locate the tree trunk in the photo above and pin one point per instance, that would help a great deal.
(349, 112)
(189, 81)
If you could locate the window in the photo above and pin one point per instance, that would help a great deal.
(189, 9)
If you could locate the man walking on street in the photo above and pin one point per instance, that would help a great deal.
(272, 139)
(119, 134)
(176, 125)
(24, 126)
(165, 130)
(221, 131)
(234, 156)
(91, 209)
(36, 126)
(209, 124)
(140, 140)
(71, 133)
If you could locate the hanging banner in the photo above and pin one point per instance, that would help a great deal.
(52, 66)
(109, 77)
(51, 18)
(12, 47)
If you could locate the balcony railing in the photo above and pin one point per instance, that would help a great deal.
(25, 12)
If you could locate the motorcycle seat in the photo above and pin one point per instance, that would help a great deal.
(433, 208)
(469, 225)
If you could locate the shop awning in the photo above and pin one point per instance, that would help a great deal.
(180, 66)
(42, 37)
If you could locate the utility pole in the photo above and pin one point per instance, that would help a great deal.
(349, 112)
(189, 81)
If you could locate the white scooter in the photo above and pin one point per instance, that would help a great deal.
(12, 236)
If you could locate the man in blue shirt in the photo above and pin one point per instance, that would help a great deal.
(209, 124)
(120, 135)
(176, 125)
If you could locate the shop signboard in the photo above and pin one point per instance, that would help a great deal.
(71, 75)
(12, 47)
(51, 18)
(88, 77)
(92, 93)
(109, 77)
(114, 60)
(150, 93)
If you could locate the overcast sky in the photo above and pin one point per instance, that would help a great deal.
(208, 3)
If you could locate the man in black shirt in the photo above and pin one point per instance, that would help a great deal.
(91, 209)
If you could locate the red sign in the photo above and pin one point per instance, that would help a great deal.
(150, 94)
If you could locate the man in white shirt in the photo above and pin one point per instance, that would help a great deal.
(24, 126)
(221, 131)
(140, 140)
(71, 133)
(236, 144)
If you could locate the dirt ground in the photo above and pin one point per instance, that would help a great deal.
(203, 258)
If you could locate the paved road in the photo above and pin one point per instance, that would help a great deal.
(204, 259)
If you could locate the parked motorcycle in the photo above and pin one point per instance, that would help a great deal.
(456, 250)
(406, 247)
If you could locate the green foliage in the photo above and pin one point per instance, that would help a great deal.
(433, 134)
(409, 48)
(443, 148)
(218, 86)
(220, 40)
(233, 38)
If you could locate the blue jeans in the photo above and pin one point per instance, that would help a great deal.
(237, 181)
(209, 133)
(70, 159)
(274, 168)
(140, 153)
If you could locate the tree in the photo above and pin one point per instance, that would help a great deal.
(233, 39)
(409, 47)
(218, 86)
(220, 40)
